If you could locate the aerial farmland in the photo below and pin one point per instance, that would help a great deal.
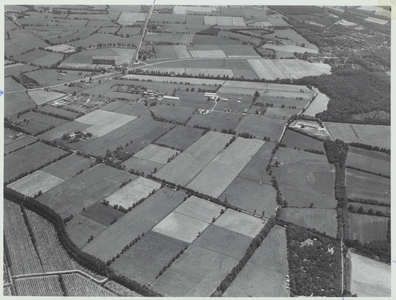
(197, 150)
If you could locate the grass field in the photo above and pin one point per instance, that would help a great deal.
(318, 105)
(70, 197)
(215, 120)
(370, 278)
(293, 37)
(294, 139)
(16, 102)
(81, 228)
(41, 97)
(264, 274)
(323, 220)
(144, 260)
(223, 241)
(178, 114)
(188, 164)
(261, 127)
(139, 220)
(20, 41)
(50, 77)
(32, 157)
(193, 100)
(13, 145)
(251, 196)
(181, 137)
(196, 273)
(366, 228)
(103, 214)
(15, 69)
(156, 154)
(142, 165)
(222, 170)
(375, 135)
(372, 161)
(11, 85)
(37, 122)
(33, 183)
(305, 178)
(367, 186)
(133, 192)
(240, 223)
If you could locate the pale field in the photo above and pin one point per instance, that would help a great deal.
(369, 278)
(181, 51)
(346, 23)
(190, 162)
(96, 117)
(207, 54)
(109, 124)
(266, 68)
(200, 209)
(127, 18)
(156, 153)
(40, 97)
(376, 20)
(35, 182)
(294, 68)
(182, 10)
(61, 48)
(133, 192)
(181, 227)
(240, 223)
(214, 179)
(318, 105)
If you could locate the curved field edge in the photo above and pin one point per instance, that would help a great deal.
(88, 261)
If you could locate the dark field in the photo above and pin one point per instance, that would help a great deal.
(103, 214)
(293, 139)
(68, 166)
(18, 143)
(180, 137)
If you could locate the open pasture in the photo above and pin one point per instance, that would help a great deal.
(20, 41)
(142, 165)
(81, 228)
(156, 153)
(103, 214)
(372, 161)
(240, 223)
(264, 274)
(223, 241)
(70, 197)
(139, 220)
(359, 133)
(33, 183)
(260, 127)
(32, 157)
(20, 142)
(222, 170)
(180, 137)
(16, 102)
(323, 220)
(48, 60)
(280, 113)
(195, 20)
(200, 209)
(133, 192)
(59, 131)
(264, 88)
(194, 100)
(215, 120)
(185, 39)
(11, 85)
(196, 273)
(190, 162)
(31, 56)
(50, 77)
(145, 260)
(166, 51)
(369, 278)
(367, 186)
(37, 122)
(213, 40)
(108, 125)
(251, 196)
(173, 113)
(16, 69)
(294, 139)
(366, 228)
(61, 48)
(41, 97)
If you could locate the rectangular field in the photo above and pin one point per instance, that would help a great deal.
(156, 154)
(133, 192)
(261, 127)
(70, 197)
(68, 166)
(188, 164)
(366, 228)
(17, 102)
(144, 260)
(181, 137)
(294, 139)
(20, 142)
(33, 183)
(367, 186)
(139, 220)
(372, 161)
(240, 223)
(369, 278)
(223, 169)
(59, 131)
(365, 134)
(142, 165)
(81, 228)
(200, 209)
(196, 273)
(103, 214)
(32, 157)
(264, 274)
(323, 220)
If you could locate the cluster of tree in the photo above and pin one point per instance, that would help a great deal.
(68, 219)
(167, 146)
(171, 261)
(352, 92)
(367, 171)
(54, 115)
(380, 249)
(370, 212)
(212, 30)
(26, 81)
(336, 151)
(369, 147)
(368, 201)
(313, 266)
(86, 260)
(254, 244)
(230, 142)
(314, 151)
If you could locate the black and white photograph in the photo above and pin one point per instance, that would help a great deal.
(198, 149)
